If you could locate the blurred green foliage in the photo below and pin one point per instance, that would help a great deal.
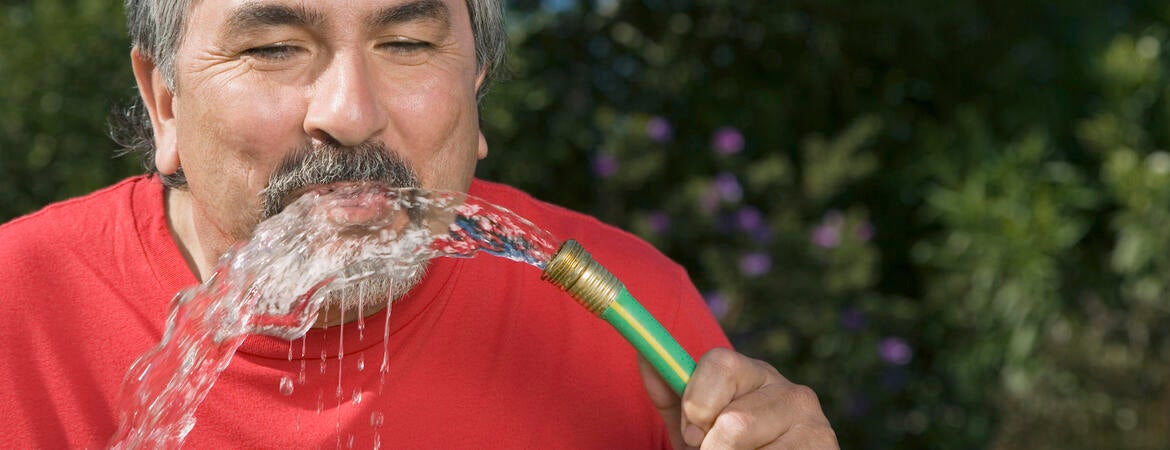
(63, 64)
(950, 219)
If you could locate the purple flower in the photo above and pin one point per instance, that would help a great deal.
(727, 184)
(864, 231)
(605, 165)
(895, 350)
(659, 221)
(658, 129)
(853, 319)
(718, 304)
(755, 264)
(749, 219)
(828, 233)
(826, 236)
(727, 141)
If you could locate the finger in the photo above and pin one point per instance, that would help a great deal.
(665, 400)
(764, 415)
(807, 437)
(720, 377)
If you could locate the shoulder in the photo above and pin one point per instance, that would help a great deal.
(71, 213)
(68, 223)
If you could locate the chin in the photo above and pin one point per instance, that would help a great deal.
(366, 296)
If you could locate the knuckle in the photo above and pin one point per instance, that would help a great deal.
(699, 412)
(803, 396)
(734, 426)
(764, 367)
(825, 438)
(723, 360)
(815, 436)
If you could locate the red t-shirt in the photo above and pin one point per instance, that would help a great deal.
(482, 353)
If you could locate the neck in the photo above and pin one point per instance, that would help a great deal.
(181, 220)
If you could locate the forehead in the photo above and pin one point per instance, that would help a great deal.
(208, 16)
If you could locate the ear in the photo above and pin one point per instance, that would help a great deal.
(479, 79)
(482, 151)
(159, 101)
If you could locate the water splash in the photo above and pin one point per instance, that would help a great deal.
(276, 282)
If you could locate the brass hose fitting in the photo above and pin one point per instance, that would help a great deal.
(573, 270)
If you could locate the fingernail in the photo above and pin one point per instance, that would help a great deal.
(693, 435)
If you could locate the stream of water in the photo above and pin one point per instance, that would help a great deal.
(276, 283)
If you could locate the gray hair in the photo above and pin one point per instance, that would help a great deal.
(156, 29)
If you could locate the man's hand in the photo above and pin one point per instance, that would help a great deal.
(735, 402)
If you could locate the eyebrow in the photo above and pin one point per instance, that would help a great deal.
(254, 15)
(434, 10)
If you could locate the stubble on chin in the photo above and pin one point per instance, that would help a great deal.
(365, 297)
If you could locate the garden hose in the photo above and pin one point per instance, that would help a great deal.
(574, 270)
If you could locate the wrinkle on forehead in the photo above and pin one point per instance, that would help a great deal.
(257, 14)
(433, 10)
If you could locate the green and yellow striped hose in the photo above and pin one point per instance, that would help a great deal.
(574, 270)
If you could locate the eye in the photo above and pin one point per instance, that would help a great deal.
(408, 46)
(407, 50)
(274, 52)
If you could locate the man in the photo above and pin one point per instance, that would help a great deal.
(254, 102)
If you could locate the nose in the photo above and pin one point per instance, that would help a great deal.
(344, 107)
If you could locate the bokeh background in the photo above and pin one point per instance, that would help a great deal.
(952, 219)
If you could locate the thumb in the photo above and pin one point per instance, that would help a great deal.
(665, 400)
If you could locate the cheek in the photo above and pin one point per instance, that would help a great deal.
(245, 131)
(425, 116)
(439, 132)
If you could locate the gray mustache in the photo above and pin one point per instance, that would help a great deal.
(331, 163)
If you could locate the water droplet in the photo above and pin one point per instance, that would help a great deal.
(361, 324)
(301, 374)
(361, 362)
(286, 385)
(357, 396)
(376, 419)
(349, 442)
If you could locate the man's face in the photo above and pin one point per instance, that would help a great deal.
(257, 80)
